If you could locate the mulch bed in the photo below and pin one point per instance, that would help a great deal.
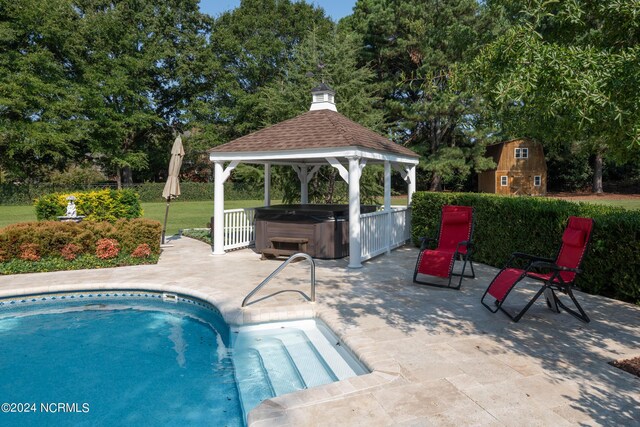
(630, 365)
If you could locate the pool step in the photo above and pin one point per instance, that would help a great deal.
(286, 358)
(253, 381)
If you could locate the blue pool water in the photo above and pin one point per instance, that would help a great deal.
(139, 358)
(111, 361)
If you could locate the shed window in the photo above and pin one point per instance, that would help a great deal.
(537, 180)
(504, 180)
(522, 153)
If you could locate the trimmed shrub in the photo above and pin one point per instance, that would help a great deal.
(55, 238)
(534, 225)
(26, 194)
(102, 205)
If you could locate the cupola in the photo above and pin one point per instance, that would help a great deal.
(323, 98)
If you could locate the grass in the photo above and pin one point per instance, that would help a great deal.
(190, 214)
(181, 214)
(631, 204)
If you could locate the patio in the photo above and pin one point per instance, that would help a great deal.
(438, 357)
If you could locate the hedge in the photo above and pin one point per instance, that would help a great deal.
(54, 242)
(534, 225)
(102, 205)
(26, 194)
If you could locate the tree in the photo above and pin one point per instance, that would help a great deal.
(135, 67)
(40, 120)
(416, 48)
(568, 72)
(332, 59)
(247, 49)
(106, 78)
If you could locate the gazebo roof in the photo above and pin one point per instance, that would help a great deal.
(320, 132)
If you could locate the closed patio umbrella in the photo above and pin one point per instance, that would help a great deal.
(172, 186)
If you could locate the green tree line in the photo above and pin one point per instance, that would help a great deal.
(107, 84)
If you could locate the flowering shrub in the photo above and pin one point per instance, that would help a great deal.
(70, 251)
(107, 248)
(141, 251)
(29, 252)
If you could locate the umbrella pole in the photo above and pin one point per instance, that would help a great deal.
(166, 214)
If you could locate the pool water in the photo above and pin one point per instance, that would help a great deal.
(143, 358)
(133, 362)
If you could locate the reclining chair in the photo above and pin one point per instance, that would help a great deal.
(454, 242)
(554, 275)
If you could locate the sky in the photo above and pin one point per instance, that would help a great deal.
(336, 9)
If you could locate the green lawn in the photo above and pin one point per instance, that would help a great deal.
(181, 214)
(631, 204)
(190, 214)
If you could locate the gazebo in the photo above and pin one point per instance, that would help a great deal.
(318, 137)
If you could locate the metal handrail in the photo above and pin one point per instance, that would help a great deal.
(278, 270)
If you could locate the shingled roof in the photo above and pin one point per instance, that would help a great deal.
(318, 129)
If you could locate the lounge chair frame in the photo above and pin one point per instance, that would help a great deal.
(550, 285)
(458, 256)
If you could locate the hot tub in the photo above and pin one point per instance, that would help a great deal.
(324, 228)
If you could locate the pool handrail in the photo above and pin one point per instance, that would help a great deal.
(293, 257)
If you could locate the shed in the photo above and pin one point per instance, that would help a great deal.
(521, 169)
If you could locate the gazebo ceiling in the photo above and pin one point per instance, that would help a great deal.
(311, 138)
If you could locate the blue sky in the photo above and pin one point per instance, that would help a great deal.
(336, 9)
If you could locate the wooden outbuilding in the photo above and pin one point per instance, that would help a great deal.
(521, 169)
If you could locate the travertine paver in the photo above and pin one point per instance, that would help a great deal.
(438, 357)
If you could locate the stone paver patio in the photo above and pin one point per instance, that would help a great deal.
(437, 356)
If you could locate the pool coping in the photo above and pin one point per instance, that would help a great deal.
(383, 369)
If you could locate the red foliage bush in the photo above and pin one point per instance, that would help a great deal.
(29, 252)
(52, 237)
(70, 251)
(141, 251)
(107, 248)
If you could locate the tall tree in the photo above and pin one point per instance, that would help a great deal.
(133, 82)
(568, 72)
(248, 47)
(40, 119)
(105, 77)
(332, 59)
(416, 47)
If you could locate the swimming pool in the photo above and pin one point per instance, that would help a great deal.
(137, 357)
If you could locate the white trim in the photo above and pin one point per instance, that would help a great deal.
(344, 174)
(521, 153)
(354, 213)
(539, 178)
(267, 184)
(300, 156)
(504, 180)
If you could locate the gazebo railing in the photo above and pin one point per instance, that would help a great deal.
(379, 231)
(383, 231)
(239, 228)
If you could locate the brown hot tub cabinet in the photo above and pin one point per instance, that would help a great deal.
(322, 231)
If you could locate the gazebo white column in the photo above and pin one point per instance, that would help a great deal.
(354, 213)
(411, 177)
(387, 202)
(220, 175)
(305, 176)
(267, 184)
(304, 185)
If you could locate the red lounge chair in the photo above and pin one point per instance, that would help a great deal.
(558, 275)
(454, 242)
